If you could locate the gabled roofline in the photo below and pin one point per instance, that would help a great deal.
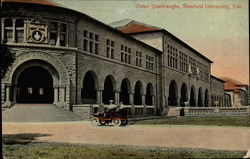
(98, 22)
(178, 40)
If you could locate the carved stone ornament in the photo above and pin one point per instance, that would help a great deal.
(37, 33)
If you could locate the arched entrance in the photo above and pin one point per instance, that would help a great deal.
(138, 93)
(108, 92)
(206, 98)
(200, 101)
(184, 96)
(192, 97)
(88, 92)
(149, 94)
(173, 94)
(35, 85)
(124, 94)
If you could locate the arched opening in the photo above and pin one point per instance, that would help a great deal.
(138, 93)
(184, 96)
(206, 98)
(108, 92)
(192, 97)
(35, 85)
(124, 94)
(149, 94)
(200, 101)
(88, 93)
(172, 98)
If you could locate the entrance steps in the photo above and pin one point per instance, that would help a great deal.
(37, 113)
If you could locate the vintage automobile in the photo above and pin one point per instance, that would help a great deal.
(116, 116)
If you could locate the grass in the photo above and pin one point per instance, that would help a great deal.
(205, 120)
(73, 151)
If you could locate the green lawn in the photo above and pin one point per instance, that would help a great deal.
(71, 151)
(205, 120)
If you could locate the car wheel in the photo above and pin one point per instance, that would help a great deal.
(95, 121)
(116, 122)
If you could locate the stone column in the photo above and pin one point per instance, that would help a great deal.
(117, 97)
(153, 100)
(14, 93)
(131, 98)
(25, 32)
(14, 30)
(2, 31)
(58, 34)
(99, 97)
(67, 35)
(62, 94)
(55, 95)
(143, 99)
(7, 100)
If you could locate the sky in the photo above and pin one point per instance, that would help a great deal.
(217, 29)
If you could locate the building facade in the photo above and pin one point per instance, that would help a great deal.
(185, 72)
(217, 92)
(66, 58)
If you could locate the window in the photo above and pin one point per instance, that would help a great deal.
(58, 30)
(183, 62)
(192, 63)
(125, 54)
(90, 42)
(19, 30)
(149, 62)
(138, 59)
(172, 56)
(30, 90)
(40, 91)
(53, 33)
(110, 48)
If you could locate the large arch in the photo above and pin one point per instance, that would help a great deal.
(125, 90)
(173, 94)
(206, 102)
(109, 90)
(138, 93)
(192, 100)
(200, 99)
(184, 94)
(35, 85)
(89, 89)
(149, 94)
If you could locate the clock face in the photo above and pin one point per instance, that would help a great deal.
(37, 36)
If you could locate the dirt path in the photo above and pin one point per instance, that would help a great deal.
(223, 138)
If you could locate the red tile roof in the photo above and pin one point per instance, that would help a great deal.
(232, 85)
(43, 2)
(137, 28)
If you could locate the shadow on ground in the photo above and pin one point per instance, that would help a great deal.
(23, 138)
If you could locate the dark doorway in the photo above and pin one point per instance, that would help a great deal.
(108, 92)
(192, 97)
(183, 95)
(137, 95)
(35, 85)
(124, 95)
(149, 97)
(172, 98)
(200, 102)
(88, 93)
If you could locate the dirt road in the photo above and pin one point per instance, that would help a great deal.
(223, 138)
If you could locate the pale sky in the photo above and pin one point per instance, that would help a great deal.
(218, 33)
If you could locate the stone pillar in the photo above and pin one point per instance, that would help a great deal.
(7, 99)
(131, 98)
(143, 99)
(14, 93)
(55, 95)
(2, 31)
(14, 30)
(67, 35)
(58, 34)
(25, 32)
(117, 97)
(153, 100)
(62, 94)
(99, 97)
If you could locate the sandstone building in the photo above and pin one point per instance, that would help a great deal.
(66, 58)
